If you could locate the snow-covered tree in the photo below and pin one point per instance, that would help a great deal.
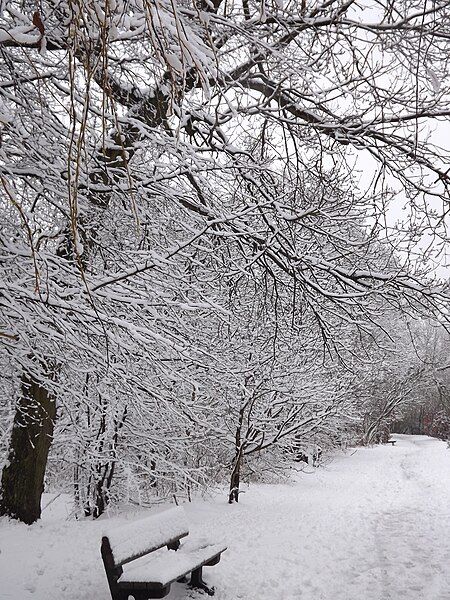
(137, 136)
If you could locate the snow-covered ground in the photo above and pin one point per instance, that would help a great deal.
(372, 525)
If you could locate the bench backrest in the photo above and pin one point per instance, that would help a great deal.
(141, 537)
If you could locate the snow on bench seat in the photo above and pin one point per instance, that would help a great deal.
(168, 566)
(133, 540)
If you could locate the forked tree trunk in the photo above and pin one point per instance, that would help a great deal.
(32, 434)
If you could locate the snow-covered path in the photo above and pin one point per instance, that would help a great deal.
(373, 525)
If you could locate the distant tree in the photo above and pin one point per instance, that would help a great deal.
(428, 408)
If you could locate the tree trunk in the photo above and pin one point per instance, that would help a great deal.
(32, 434)
(235, 480)
(99, 502)
(233, 495)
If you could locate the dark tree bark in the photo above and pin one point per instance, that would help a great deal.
(101, 478)
(32, 433)
(235, 479)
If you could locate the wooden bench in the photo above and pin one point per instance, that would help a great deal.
(146, 576)
(392, 442)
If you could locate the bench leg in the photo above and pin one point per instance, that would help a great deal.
(197, 582)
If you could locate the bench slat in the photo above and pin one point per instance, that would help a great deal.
(134, 540)
(160, 571)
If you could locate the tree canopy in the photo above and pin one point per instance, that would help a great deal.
(182, 220)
